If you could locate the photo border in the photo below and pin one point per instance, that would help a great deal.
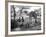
(6, 17)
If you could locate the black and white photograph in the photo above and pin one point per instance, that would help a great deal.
(25, 18)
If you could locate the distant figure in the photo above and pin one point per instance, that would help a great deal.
(19, 20)
(22, 19)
